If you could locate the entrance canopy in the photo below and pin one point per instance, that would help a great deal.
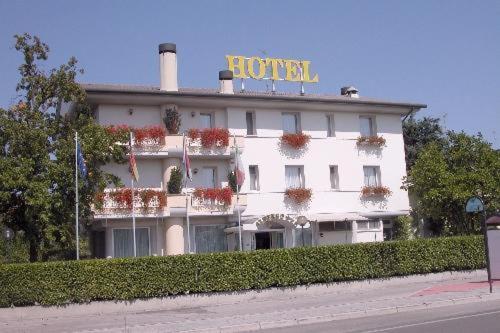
(335, 217)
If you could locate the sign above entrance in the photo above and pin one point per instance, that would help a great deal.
(271, 69)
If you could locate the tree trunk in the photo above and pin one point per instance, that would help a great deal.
(34, 249)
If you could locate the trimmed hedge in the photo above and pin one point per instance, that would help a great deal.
(53, 283)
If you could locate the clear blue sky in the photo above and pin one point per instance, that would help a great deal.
(442, 53)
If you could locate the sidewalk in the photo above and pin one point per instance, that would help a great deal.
(253, 310)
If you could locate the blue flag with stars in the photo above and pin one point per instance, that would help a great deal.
(80, 161)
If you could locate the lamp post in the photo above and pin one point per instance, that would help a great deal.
(8, 234)
(302, 220)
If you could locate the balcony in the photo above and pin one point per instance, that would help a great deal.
(177, 206)
(116, 204)
(171, 146)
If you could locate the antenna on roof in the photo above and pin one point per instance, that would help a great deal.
(268, 72)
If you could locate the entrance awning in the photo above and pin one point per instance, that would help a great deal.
(335, 217)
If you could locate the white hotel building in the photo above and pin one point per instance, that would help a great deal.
(334, 165)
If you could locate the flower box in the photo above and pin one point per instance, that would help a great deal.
(210, 137)
(149, 135)
(374, 140)
(121, 198)
(299, 195)
(214, 195)
(295, 140)
(375, 191)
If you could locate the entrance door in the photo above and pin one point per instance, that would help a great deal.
(268, 240)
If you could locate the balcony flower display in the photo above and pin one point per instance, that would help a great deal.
(373, 140)
(299, 195)
(149, 135)
(295, 140)
(375, 191)
(214, 195)
(122, 199)
(210, 137)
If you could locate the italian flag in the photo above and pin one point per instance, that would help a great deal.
(133, 167)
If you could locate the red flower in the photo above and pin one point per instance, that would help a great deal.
(193, 133)
(295, 140)
(375, 191)
(373, 140)
(222, 195)
(210, 137)
(152, 135)
(299, 195)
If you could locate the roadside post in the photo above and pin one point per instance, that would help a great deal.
(8, 235)
(475, 205)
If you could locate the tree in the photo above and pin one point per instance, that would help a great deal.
(419, 133)
(445, 175)
(37, 193)
(174, 184)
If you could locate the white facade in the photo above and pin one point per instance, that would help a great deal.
(337, 212)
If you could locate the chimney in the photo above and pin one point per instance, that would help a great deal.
(226, 82)
(349, 91)
(168, 67)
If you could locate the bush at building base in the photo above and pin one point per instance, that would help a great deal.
(121, 279)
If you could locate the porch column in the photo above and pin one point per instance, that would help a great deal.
(174, 236)
(354, 232)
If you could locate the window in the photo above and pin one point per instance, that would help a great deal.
(206, 120)
(254, 177)
(209, 177)
(372, 175)
(330, 131)
(334, 177)
(123, 242)
(294, 176)
(250, 117)
(364, 225)
(303, 237)
(367, 126)
(210, 238)
(335, 226)
(291, 123)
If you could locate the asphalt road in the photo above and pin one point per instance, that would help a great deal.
(466, 318)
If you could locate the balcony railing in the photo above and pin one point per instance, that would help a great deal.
(177, 205)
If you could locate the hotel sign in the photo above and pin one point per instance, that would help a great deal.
(271, 69)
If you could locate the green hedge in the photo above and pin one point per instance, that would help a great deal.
(120, 279)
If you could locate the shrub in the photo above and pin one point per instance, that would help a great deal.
(296, 141)
(121, 279)
(298, 195)
(172, 120)
(174, 185)
(402, 227)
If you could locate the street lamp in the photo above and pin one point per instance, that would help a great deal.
(302, 220)
(8, 234)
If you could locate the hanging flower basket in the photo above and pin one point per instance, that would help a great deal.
(214, 195)
(374, 140)
(299, 195)
(295, 140)
(210, 137)
(375, 191)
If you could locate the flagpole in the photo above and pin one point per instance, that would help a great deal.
(77, 199)
(238, 195)
(184, 152)
(133, 199)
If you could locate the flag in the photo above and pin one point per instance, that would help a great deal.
(133, 167)
(80, 161)
(185, 161)
(238, 167)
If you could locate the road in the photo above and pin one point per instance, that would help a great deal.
(475, 317)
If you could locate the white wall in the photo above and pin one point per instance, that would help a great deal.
(150, 172)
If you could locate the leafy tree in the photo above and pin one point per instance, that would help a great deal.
(402, 227)
(445, 175)
(37, 193)
(417, 134)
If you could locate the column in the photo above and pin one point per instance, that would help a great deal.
(174, 236)
(354, 232)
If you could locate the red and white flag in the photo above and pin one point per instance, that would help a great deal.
(185, 161)
(239, 169)
(132, 163)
